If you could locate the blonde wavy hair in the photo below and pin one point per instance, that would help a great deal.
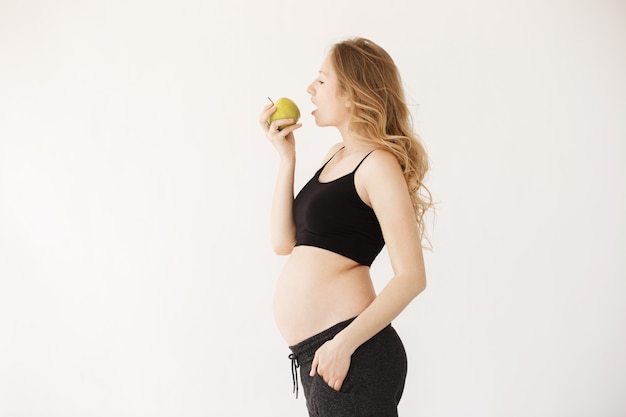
(380, 115)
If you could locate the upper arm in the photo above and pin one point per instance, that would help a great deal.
(385, 190)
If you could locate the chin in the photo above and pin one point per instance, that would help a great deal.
(321, 123)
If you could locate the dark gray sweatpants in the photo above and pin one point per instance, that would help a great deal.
(375, 380)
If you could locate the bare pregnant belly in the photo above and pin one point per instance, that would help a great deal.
(318, 289)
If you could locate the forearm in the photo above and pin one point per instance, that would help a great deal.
(391, 301)
(283, 228)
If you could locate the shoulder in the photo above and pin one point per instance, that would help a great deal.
(380, 179)
(380, 164)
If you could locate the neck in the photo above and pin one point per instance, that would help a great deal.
(351, 140)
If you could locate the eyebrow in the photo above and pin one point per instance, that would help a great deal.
(322, 72)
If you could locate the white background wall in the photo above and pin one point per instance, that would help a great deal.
(135, 270)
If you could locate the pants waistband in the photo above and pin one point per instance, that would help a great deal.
(305, 350)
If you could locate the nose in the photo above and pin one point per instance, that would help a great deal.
(310, 89)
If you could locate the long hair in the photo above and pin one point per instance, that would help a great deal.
(371, 81)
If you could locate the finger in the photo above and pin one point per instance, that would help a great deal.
(266, 113)
(282, 123)
(282, 127)
(314, 366)
(274, 129)
(288, 129)
(337, 384)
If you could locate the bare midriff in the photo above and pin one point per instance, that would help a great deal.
(318, 289)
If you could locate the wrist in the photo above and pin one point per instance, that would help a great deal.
(345, 342)
(288, 160)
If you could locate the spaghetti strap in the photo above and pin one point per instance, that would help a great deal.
(357, 167)
(329, 159)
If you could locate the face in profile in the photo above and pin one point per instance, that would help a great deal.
(332, 108)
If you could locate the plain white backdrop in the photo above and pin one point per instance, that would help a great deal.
(136, 274)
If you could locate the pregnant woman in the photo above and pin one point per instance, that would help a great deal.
(368, 193)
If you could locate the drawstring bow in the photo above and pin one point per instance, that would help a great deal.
(294, 372)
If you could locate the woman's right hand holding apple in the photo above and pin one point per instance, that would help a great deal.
(282, 139)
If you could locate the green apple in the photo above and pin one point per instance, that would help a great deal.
(285, 109)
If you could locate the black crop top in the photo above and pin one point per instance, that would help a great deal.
(331, 215)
